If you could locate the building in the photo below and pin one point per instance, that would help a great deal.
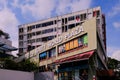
(35, 34)
(79, 49)
(5, 47)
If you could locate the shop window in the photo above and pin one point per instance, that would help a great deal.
(42, 56)
(85, 40)
(83, 74)
(61, 48)
(75, 42)
(52, 52)
(67, 46)
(71, 44)
(80, 42)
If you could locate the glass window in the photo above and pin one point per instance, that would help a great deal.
(80, 42)
(85, 40)
(52, 52)
(71, 18)
(71, 44)
(43, 56)
(75, 43)
(67, 46)
(61, 48)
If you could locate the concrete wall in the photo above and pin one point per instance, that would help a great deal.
(20, 75)
(44, 76)
(15, 75)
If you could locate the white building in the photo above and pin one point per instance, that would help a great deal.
(37, 33)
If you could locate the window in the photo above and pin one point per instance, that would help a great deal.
(20, 50)
(47, 31)
(80, 42)
(75, 43)
(96, 13)
(50, 37)
(77, 18)
(38, 25)
(29, 35)
(61, 48)
(71, 26)
(47, 24)
(71, 18)
(20, 37)
(38, 39)
(51, 52)
(83, 17)
(44, 39)
(42, 56)
(67, 46)
(71, 44)
(21, 30)
(38, 32)
(21, 43)
(85, 40)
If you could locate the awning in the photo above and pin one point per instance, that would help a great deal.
(6, 47)
(78, 57)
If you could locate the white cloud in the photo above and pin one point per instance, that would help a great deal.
(66, 6)
(114, 52)
(116, 24)
(115, 10)
(80, 5)
(9, 23)
(116, 55)
(40, 9)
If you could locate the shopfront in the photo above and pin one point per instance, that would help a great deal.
(73, 71)
(75, 67)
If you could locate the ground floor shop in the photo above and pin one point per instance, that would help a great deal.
(73, 71)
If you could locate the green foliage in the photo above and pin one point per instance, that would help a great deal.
(112, 63)
(22, 66)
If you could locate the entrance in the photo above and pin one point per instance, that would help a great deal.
(73, 71)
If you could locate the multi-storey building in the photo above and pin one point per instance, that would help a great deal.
(37, 33)
(78, 51)
(5, 45)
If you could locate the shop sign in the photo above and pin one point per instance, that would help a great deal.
(67, 36)
(58, 40)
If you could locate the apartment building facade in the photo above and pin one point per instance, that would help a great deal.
(37, 33)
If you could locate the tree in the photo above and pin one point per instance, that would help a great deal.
(22, 66)
(112, 63)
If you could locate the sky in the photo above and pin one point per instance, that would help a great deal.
(17, 12)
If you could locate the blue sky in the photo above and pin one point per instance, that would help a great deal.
(16, 12)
